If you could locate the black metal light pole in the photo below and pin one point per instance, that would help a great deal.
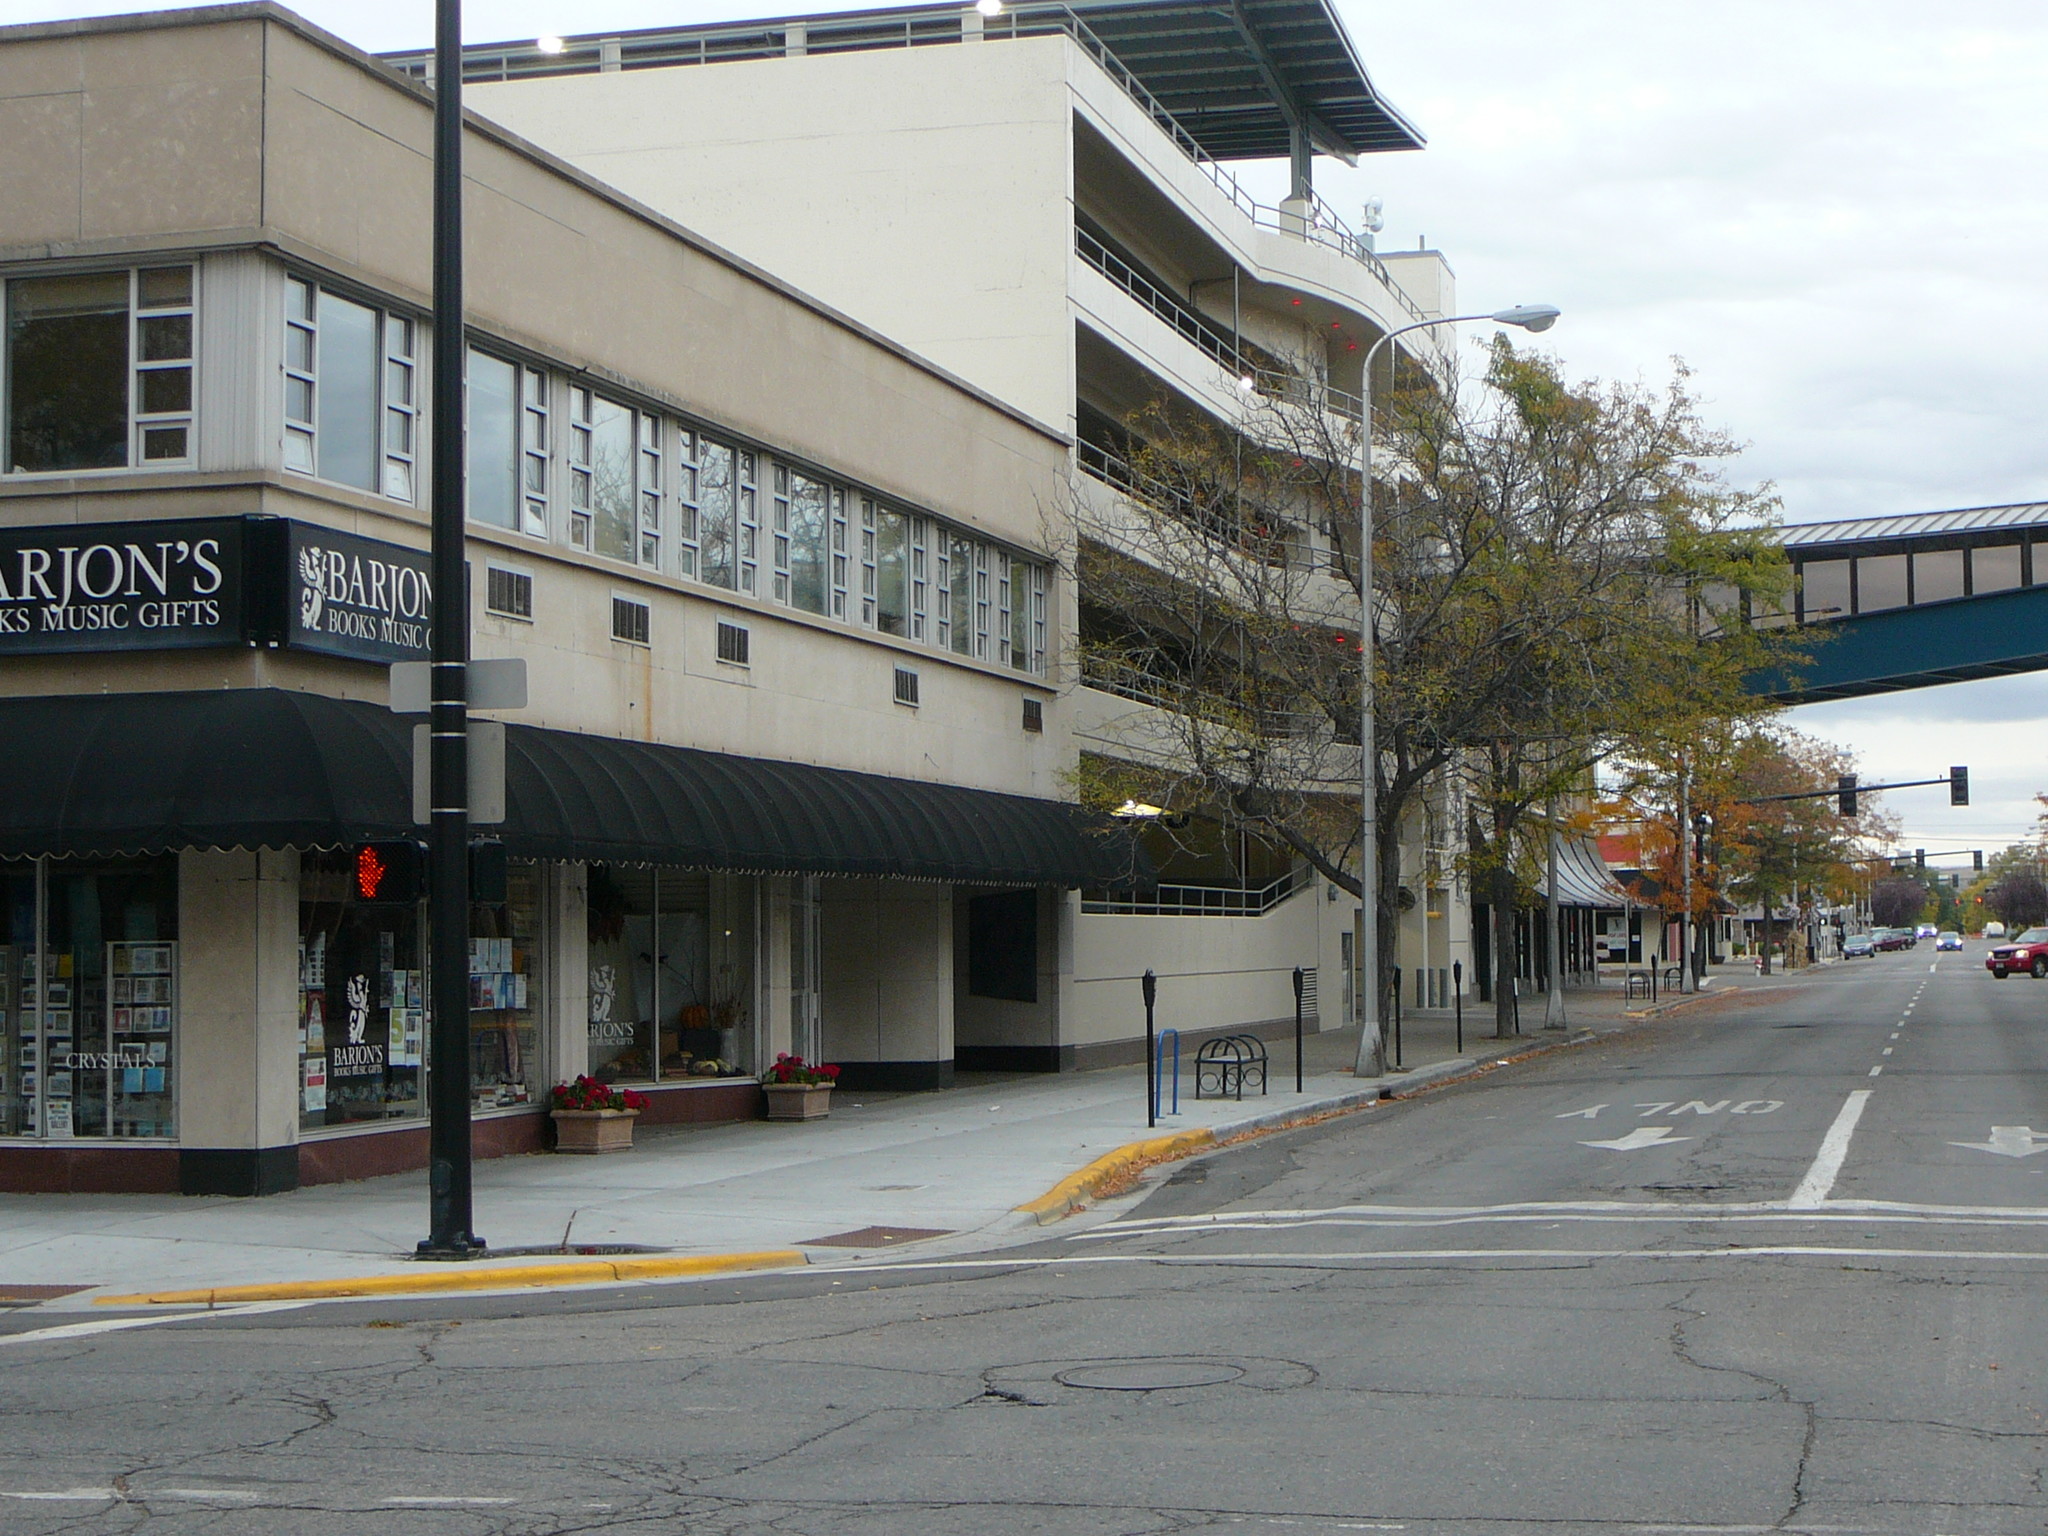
(1298, 980)
(449, 1235)
(1150, 986)
(1458, 999)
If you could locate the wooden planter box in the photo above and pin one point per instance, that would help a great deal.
(594, 1130)
(798, 1101)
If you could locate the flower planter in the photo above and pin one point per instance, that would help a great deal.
(798, 1101)
(594, 1130)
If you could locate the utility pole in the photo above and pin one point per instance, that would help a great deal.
(1685, 868)
(1553, 952)
(449, 1213)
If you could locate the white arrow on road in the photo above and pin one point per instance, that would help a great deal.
(1642, 1136)
(2009, 1141)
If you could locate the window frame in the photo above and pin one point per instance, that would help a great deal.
(400, 449)
(139, 422)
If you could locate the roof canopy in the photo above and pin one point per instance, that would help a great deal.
(138, 773)
(1236, 77)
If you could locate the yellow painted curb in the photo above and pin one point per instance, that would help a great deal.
(509, 1277)
(1108, 1169)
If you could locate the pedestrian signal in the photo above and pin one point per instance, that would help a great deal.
(391, 872)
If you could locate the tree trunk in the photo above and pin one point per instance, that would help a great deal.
(1764, 955)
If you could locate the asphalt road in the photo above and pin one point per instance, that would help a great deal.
(1778, 1263)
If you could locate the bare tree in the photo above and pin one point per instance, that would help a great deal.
(1553, 566)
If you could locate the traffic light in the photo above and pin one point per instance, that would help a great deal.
(1959, 786)
(1919, 858)
(390, 872)
(1977, 860)
(1845, 795)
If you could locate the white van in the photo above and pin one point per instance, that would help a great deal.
(1994, 930)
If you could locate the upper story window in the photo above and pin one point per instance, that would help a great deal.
(614, 455)
(99, 370)
(351, 392)
(508, 444)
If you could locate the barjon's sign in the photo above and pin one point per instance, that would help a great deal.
(122, 586)
(172, 585)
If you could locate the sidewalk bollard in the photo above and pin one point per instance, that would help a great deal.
(1458, 999)
(1151, 986)
(1297, 1028)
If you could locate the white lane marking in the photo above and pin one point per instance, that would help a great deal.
(1703, 1215)
(2009, 1141)
(1888, 1049)
(1877, 1071)
(1292, 1260)
(1895, 1034)
(1553, 1209)
(1642, 1136)
(1592, 1113)
(153, 1320)
(1834, 1150)
(63, 1495)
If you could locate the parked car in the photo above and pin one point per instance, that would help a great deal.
(1886, 940)
(1994, 930)
(1949, 939)
(2028, 952)
(1858, 946)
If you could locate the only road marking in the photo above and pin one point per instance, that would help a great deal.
(1642, 1136)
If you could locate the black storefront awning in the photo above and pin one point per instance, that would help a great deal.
(264, 768)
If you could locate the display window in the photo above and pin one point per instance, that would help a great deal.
(363, 992)
(362, 1008)
(89, 999)
(671, 971)
(504, 995)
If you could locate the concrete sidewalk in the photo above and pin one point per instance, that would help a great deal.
(956, 1163)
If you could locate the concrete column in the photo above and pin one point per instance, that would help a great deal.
(238, 1045)
(566, 1019)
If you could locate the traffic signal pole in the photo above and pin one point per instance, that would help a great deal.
(449, 1207)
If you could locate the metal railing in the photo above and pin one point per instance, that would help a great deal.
(1198, 900)
(1279, 549)
(661, 48)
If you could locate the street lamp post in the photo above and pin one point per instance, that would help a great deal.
(1372, 1045)
(449, 1212)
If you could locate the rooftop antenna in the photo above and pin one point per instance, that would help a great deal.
(1371, 220)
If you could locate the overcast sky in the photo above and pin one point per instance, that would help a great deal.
(1833, 210)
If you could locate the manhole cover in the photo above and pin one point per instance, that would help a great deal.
(1148, 1375)
(875, 1237)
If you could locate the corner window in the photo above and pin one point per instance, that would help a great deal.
(351, 393)
(99, 370)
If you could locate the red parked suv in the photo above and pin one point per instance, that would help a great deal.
(2028, 952)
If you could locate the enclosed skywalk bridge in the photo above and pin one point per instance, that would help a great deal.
(1888, 603)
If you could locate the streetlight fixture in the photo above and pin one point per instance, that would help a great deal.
(1372, 1045)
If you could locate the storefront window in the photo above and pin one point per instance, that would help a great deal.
(89, 999)
(363, 994)
(504, 994)
(362, 1013)
(670, 973)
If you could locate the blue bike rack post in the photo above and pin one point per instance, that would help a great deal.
(1159, 1071)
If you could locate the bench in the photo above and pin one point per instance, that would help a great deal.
(1228, 1063)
